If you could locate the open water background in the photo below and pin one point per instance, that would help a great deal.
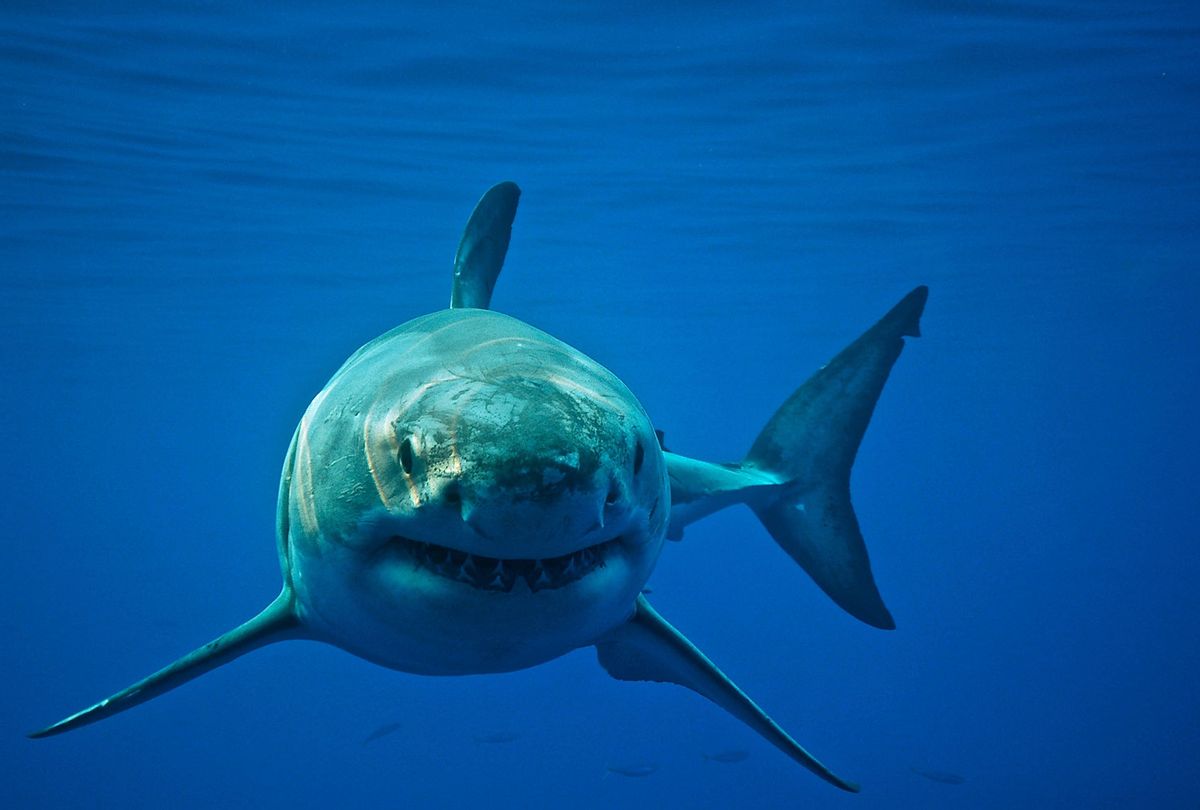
(205, 207)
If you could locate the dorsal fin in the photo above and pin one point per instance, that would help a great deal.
(482, 247)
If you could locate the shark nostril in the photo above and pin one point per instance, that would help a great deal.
(452, 495)
(614, 494)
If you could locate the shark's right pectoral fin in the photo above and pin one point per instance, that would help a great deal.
(277, 622)
(647, 648)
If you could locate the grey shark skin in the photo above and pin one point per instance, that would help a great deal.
(468, 494)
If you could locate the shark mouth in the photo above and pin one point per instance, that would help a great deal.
(496, 574)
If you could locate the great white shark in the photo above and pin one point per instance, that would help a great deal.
(468, 494)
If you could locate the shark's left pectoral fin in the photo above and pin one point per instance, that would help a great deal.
(648, 648)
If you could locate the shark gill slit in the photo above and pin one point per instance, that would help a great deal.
(303, 481)
(390, 434)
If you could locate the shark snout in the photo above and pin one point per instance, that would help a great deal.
(563, 512)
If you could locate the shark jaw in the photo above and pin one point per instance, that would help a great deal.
(426, 607)
(504, 574)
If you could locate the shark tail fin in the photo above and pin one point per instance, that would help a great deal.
(276, 622)
(810, 444)
(483, 246)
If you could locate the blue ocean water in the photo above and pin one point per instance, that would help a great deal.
(207, 207)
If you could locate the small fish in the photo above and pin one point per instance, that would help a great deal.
(496, 737)
(729, 757)
(944, 777)
(382, 731)
(636, 771)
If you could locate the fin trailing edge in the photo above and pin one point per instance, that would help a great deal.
(277, 622)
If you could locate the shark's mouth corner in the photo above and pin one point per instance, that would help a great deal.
(498, 574)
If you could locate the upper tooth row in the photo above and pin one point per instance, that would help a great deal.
(502, 574)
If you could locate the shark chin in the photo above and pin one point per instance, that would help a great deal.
(468, 494)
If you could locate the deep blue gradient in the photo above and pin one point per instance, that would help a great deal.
(204, 209)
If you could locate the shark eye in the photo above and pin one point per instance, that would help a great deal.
(406, 456)
(639, 455)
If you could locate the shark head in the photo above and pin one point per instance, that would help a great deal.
(473, 479)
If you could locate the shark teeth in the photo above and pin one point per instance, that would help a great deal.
(496, 574)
